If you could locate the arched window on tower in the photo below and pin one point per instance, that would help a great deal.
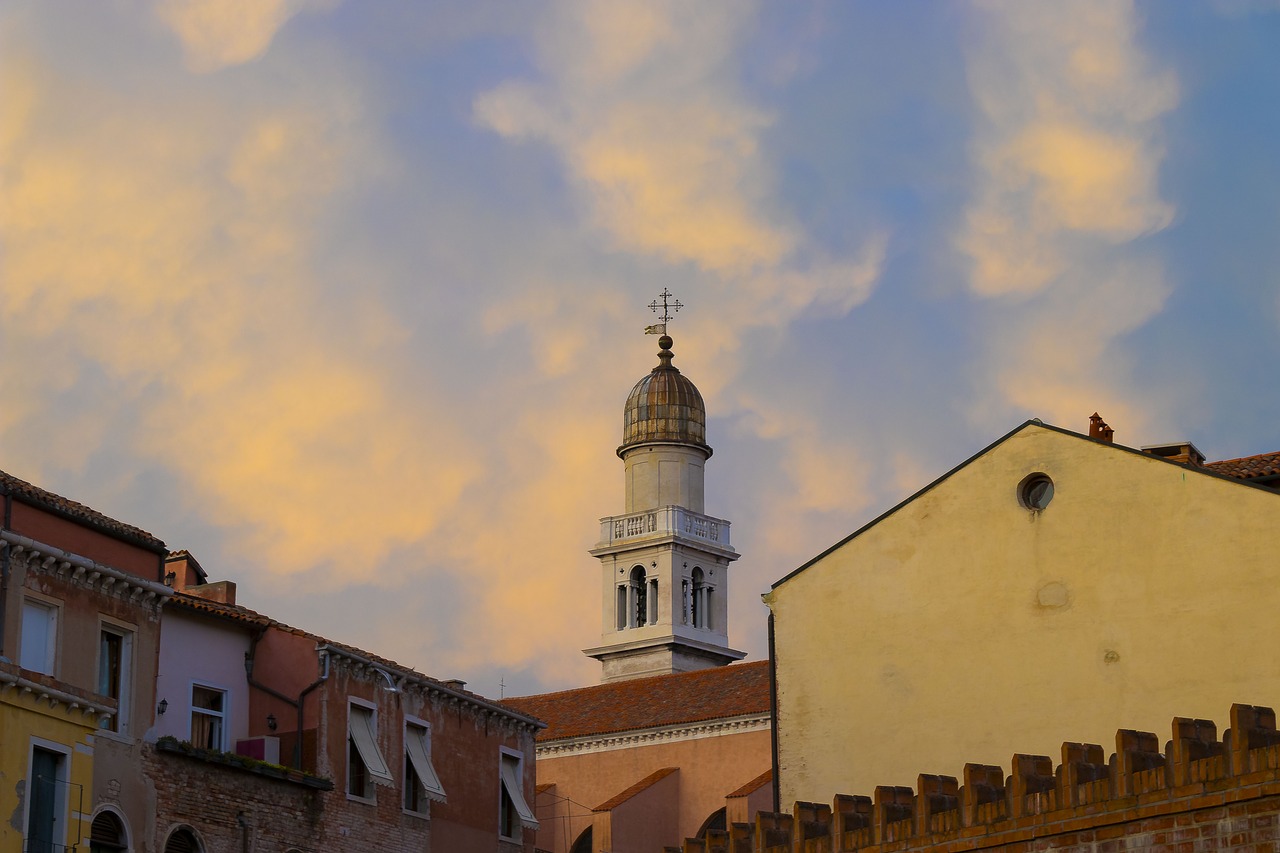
(639, 598)
(701, 600)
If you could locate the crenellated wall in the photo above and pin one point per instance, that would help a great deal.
(1199, 793)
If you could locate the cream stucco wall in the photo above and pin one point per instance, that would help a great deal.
(963, 627)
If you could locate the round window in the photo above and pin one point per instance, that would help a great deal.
(1036, 491)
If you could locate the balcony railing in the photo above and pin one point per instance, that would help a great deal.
(665, 521)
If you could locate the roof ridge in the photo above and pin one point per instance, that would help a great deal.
(647, 782)
(669, 676)
(75, 510)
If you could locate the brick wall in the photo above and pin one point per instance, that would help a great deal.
(220, 804)
(1198, 794)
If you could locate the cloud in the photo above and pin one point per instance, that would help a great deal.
(1066, 144)
(1066, 158)
(661, 145)
(220, 33)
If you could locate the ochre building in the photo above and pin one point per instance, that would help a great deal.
(1054, 582)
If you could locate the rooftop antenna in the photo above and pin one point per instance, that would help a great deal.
(667, 305)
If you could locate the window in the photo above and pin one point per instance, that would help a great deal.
(513, 812)
(107, 834)
(421, 783)
(701, 600)
(365, 764)
(639, 610)
(1035, 491)
(47, 806)
(182, 841)
(208, 715)
(115, 655)
(39, 648)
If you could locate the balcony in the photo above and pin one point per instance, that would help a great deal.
(665, 521)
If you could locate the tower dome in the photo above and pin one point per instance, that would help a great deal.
(664, 407)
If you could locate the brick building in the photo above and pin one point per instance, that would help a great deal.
(356, 751)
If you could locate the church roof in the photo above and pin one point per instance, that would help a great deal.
(661, 700)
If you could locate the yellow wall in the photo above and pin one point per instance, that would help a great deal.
(23, 717)
(964, 627)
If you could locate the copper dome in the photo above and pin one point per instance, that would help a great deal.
(664, 406)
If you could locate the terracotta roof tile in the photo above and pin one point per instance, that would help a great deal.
(36, 496)
(238, 613)
(754, 785)
(662, 700)
(1248, 467)
(652, 779)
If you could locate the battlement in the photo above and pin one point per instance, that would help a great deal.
(1200, 791)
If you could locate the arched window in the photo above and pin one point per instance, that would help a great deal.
(182, 840)
(639, 598)
(701, 600)
(107, 833)
(583, 844)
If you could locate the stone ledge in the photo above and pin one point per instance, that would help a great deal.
(243, 763)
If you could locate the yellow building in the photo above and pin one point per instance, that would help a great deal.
(46, 765)
(1055, 582)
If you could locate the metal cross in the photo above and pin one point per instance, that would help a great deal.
(667, 307)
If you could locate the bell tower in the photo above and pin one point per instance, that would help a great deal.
(664, 562)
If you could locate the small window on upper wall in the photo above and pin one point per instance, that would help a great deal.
(115, 655)
(208, 717)
(39, 649)
(1035, 491)
(421, 783)
(514, 813)
(365, 764)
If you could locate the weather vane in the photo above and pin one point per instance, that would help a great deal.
(668, 305)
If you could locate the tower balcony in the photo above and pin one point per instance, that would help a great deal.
(664, 521)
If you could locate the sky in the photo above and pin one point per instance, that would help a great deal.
(346, 297)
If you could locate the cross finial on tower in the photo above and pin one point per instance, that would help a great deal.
(668, 305)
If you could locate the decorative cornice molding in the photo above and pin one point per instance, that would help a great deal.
(82, 571)
(585, 744)
(71, 703)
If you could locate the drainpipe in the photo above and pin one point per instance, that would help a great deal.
(249, 657)
(4, 566)
(773, 716)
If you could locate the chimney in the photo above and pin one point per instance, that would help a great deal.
(1182, 452)
(182, 571)
(1098, 429)
(223, 592)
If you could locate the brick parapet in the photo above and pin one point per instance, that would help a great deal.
(1199, 793)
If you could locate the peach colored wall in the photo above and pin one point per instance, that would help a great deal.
(67, 535)
(643, 823)
(710, 769)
